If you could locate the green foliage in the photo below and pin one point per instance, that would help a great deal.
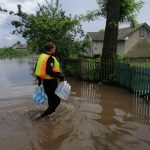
(144, 63)
(93, 74)
(49, 23)
(86, 43)
(121, 58)
(128, 11)
(89, 71)
(10, 53)
(102, 30)
(70, 71)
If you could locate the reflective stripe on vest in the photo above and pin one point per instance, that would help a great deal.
(41, 66)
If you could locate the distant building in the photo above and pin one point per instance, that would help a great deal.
(132, 43)
(19, 46)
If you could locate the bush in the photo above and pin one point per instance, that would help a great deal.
(10, 53)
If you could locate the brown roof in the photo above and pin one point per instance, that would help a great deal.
(122, 33)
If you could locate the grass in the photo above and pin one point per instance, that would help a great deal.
(145, 63)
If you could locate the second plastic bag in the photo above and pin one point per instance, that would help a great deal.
(63, 90)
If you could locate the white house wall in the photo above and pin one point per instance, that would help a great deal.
(97, 48)
(131, 41)
(120, 47)
(137, 46)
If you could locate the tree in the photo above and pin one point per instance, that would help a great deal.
(50, 23)
(109, 50)
(114, 11)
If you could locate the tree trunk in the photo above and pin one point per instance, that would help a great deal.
(109, 51)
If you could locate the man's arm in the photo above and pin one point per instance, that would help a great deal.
(38, 78)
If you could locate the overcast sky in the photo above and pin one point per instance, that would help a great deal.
(70, 6)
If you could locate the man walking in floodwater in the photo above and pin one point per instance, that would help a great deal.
(48, 72)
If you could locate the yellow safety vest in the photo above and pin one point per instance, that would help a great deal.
(41, 66)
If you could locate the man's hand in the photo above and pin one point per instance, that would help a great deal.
(62, 78)
(39, 83)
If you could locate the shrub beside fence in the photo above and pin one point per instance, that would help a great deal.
(85, 69)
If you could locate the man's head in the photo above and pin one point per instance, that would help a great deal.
(50, 48)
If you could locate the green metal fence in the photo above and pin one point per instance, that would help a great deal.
(135, 78)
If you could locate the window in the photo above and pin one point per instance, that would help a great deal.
(141, 33)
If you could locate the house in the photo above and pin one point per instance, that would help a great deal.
(19, 46)
(132, 43)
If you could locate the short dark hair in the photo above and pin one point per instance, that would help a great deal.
(49, 46)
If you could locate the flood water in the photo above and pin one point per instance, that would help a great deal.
(16, 75)
(95, 117)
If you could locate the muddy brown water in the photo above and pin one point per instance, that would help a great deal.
(95, 117)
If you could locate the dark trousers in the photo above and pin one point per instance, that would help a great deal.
(53, 100)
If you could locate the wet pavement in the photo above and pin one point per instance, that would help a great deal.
(95, 117)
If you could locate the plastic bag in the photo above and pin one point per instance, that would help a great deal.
(63, 90)
(39, 95)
